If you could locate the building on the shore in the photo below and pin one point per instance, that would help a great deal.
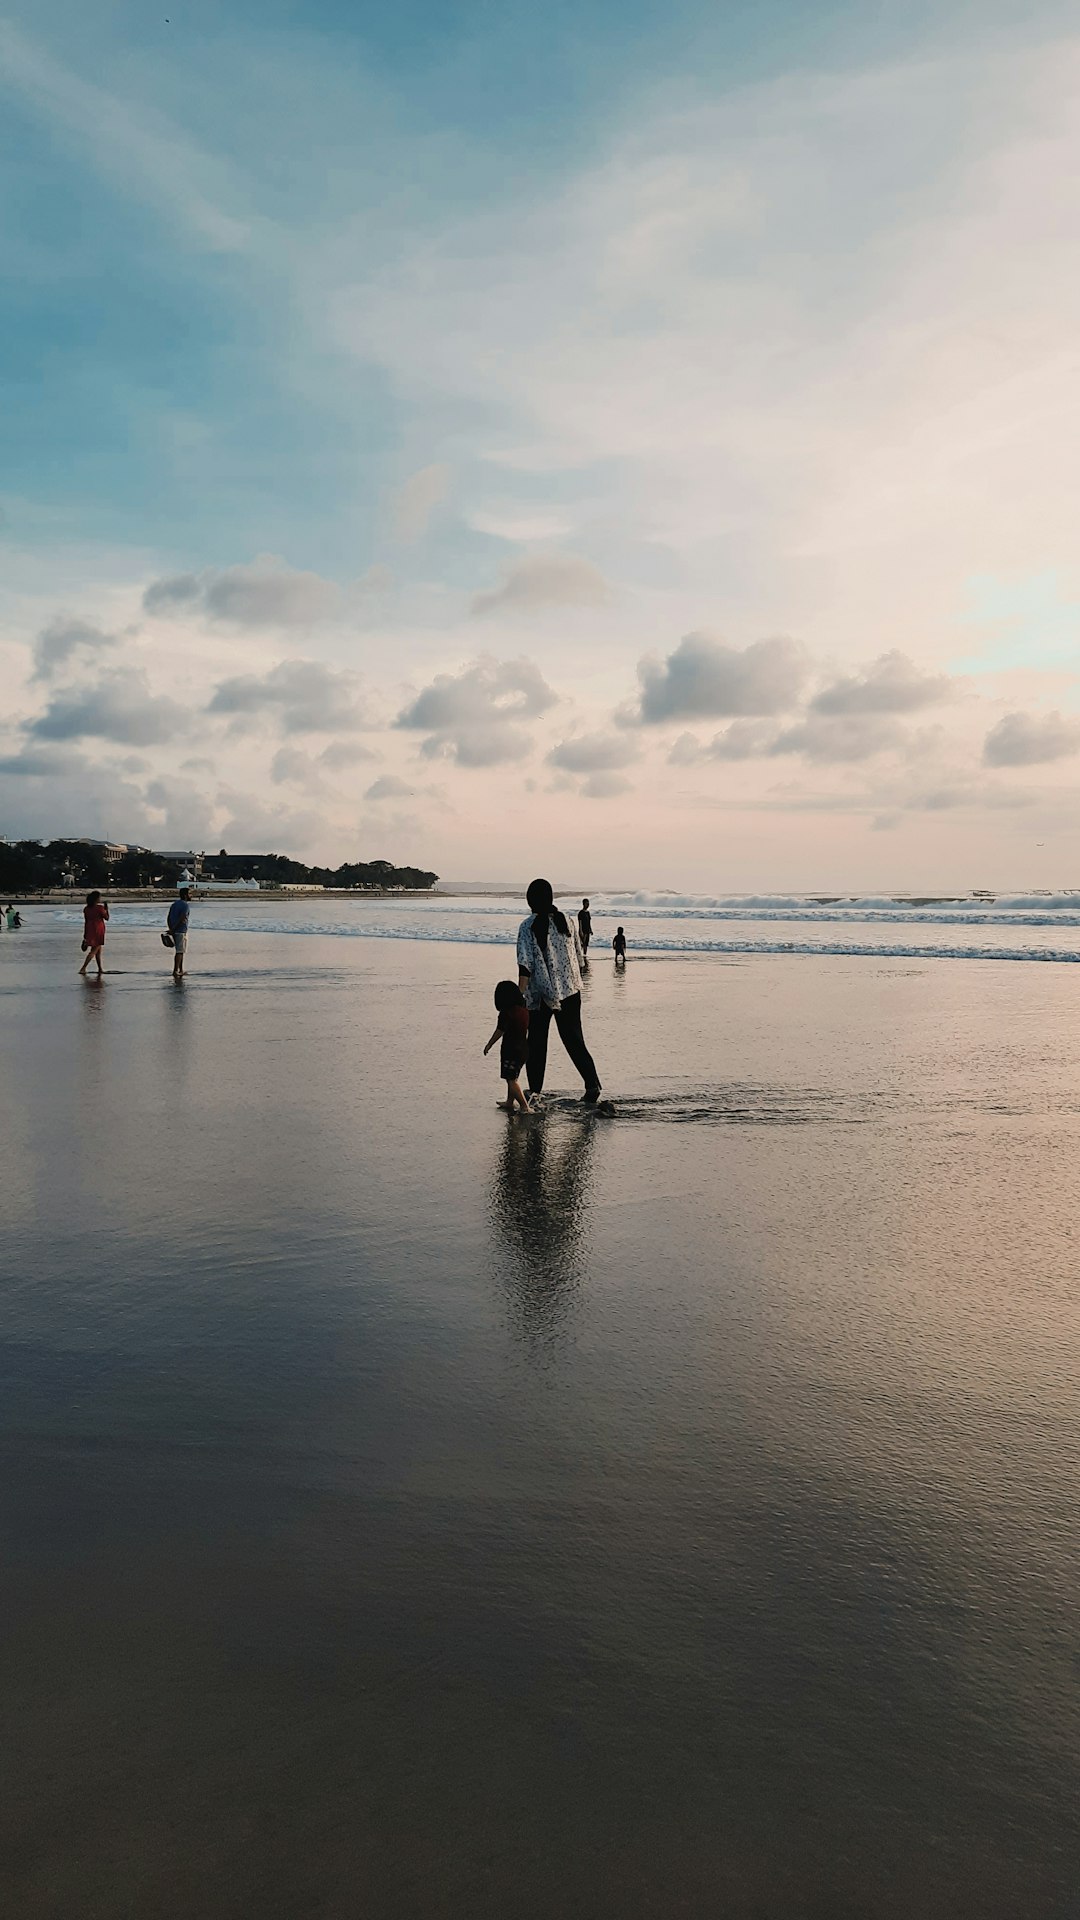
(110, 850)
(188, 859)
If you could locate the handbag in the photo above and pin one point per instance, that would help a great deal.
(167, 940)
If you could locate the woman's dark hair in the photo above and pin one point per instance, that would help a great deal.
(542, 901)
(93, 898)
(508, 994)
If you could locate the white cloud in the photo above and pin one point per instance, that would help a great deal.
(844, 737)
(58, 642)
(253, 827)
(521, 525)
(187, 812)
(704, 677)
(541, 580)
(743, 740)
(604, 786)
(776, 320)
(389, 787)
(340, 755)
(73, 795)
(1026, 739)
(891, 684)
(593, 753)
(117, 706)
(302, 696)
(830, 739)
(473, 716)
(267, 593)
(416, 501)
(149, 157)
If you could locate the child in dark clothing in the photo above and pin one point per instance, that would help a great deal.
(512, 1029)
(619, 944)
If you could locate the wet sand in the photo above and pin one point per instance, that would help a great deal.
(410, 1510)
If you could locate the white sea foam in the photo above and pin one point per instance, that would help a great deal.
(1025, 927)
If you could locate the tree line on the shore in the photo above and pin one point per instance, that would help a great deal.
(30, 866)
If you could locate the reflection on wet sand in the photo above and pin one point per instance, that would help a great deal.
(538, 1208)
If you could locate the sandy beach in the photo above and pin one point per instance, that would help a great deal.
(414, 1511)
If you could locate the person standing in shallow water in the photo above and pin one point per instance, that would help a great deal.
(584, 927)
(619, 947)
(95, 917)
(549, 974)
(179, 915)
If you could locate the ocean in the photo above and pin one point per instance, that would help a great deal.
(1009, 927)
(411, 1510)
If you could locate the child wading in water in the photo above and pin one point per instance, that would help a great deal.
(512, 1029)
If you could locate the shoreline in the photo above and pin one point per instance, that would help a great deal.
(150, 896)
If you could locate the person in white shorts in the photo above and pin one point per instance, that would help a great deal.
(179, 915)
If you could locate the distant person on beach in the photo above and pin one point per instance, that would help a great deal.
(13, 919)
(619, 946)
(549, 974)
(179, 915)
(584, 927)
(512, 1028)
(95, 917)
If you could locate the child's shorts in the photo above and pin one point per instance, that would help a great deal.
(509, 1067)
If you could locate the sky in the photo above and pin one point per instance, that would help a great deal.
(627, 440)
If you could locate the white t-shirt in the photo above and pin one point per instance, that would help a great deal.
(554, 975)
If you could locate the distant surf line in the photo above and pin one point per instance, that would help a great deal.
(642, 943)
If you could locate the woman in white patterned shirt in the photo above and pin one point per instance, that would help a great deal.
(549, 974)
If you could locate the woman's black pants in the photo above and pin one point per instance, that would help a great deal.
(568, 1020)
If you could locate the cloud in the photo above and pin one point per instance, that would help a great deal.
(743, 740)
(389, 787)
(378, 579)
(544, 580)
(40, 763)
(62, 638)
(303, 696)
(72, 794)
(830, 740)
(416, 501)
(704, 677)
(254, 827)
(472, 716)
(840, 739)
(892, 684)
(188, 812)
(265, 594)
(342, 754)
(593, 753)
(1026, 739)
(139, 149)
(604, 786)
(119, 706)
(291, 766)
(521, 525)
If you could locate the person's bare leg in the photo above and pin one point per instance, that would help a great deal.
(85, 964)
(515, 1097)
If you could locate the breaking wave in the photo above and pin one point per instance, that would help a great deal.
(877, 927)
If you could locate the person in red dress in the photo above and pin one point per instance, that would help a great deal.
(95, 916)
